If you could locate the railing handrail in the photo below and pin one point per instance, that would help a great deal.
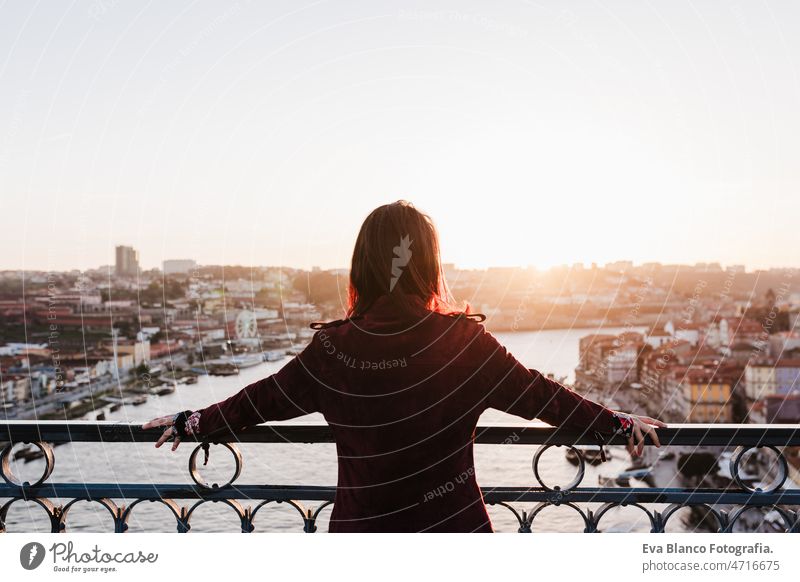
(56, 431)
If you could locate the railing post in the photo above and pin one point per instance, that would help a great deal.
(591, 522)
(121, 520)
(309, 522)
(57, 520)
(658, 522)
(183, 521)
(525, 523)
(247, 520)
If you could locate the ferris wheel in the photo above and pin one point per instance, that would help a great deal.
(246, 325)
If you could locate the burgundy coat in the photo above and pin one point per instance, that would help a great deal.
(403, 396)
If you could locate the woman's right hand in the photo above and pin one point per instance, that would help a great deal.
(169, 430)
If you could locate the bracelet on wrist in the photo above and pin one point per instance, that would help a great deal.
(179, 424)
(625, 423)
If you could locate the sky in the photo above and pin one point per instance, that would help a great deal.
(534, 133)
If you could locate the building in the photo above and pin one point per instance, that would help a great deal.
(768, 383)
(747, 329)
(21, 349)
(783, 342)
(658, 337)
(781, 409)
(139, 350)
(794, 318)
(707, 395)
(608, 360)
(179, 266)
(685, 331)
(15, 389)
(593, 350)
(657, 363)
(621, 365)
(730, 330)
(127, 261)
(767, 377)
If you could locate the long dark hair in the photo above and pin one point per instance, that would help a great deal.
(397, 253)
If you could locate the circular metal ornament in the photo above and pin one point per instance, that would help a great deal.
(736, 459)
(787, 516)
(9, 476)
(574, 483)
(198, 479)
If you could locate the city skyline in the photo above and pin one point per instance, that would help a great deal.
(168, 266)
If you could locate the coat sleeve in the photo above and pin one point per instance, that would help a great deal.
(511, 387)
(289, 393)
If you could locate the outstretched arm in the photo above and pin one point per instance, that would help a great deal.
(289, 393)
(515, 389)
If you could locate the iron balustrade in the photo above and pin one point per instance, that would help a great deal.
(743, 497)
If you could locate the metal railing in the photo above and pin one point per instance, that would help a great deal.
(309, 501)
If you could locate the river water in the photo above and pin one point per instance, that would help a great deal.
(553, 351)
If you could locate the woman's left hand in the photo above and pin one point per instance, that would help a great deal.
(643, 425)
(167, 421)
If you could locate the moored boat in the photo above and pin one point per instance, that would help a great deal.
(163, 389)
(590, 453)
(244, 360)
(274, 355)
(222, 369)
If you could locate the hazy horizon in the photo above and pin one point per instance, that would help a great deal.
(533, 134)
(110, 265)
